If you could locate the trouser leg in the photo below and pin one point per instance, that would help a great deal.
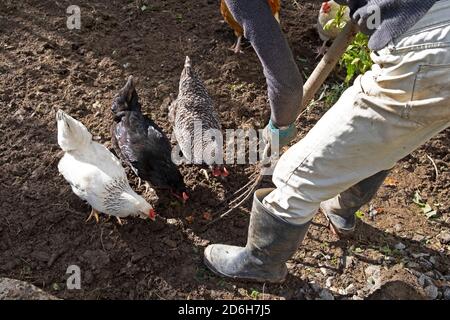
(341, 209)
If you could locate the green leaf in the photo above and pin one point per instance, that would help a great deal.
(359, 214)
(254, 294)
(386, 250)
(431, 214)
(418, 199)
(427, 208)
(356, 61)
(328, 25)
(358, 250)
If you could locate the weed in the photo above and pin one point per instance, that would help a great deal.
(356, 59)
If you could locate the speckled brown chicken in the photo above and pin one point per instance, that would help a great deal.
(193, 117)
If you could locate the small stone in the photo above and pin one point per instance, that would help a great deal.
(425, 263)
(444, 237)
(242, 292)
(318, 275)
(400, 246)
(349, 261)
(424, 280)
(314, 286)
(350, 289)
(413, 265)
(432, 260)
(291, 265)
(324, 271)
(446, 294)
(373, 274)
(371, 270)
(355, 297)
(106, 62)
(328, 283)
(432, 291)
(172, 221)
(389, 259)
(325, 294)
(97, 105)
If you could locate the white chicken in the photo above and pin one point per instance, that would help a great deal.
(326, 27)
(95, 174)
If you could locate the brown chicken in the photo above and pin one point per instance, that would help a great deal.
(275, 5)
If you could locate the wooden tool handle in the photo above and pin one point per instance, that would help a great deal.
(328, 62)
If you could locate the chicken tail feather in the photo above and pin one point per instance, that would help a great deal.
(72, 134)
(187, 63)
(127, 90)
(127, 98)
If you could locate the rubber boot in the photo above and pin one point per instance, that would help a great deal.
(271, 242)
(340, 211)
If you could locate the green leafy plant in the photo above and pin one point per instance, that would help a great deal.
(356, 59)
(334, 92)
(255, 294)
(386, 250)
(426, 208)
(338, 21)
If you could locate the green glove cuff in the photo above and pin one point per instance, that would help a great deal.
(282, 133)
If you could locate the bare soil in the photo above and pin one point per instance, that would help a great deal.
(44, 66)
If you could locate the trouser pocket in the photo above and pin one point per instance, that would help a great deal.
(430, 99)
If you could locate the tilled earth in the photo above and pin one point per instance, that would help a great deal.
(397, 251)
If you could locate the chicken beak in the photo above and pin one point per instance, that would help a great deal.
(185, 197)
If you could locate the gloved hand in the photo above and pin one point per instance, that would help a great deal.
(285, 134)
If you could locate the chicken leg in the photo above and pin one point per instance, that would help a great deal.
(322, 50)
(205, 173)
(119, 221)
(94, 213)
(236, 48)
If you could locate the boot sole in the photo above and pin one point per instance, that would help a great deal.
(335, 230)
(243, 279)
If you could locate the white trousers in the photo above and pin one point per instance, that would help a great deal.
(387, 113)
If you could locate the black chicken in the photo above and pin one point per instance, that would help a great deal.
(142, 145)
